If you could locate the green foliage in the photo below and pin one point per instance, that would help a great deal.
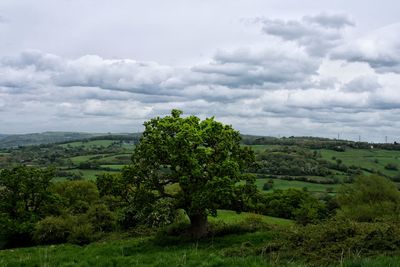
(292, 204)
(24, 199)
(77, 196)
(293, 160)
(268, 185)
(203, 157)
(392, 166)
(81, 234)
(337, 240)
(368, 199)
(101, 218)
(52, 230)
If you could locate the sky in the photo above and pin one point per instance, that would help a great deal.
(267, 67)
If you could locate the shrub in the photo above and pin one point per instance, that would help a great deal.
(81, 234)
(369, 198)
(77, 195)
(339, 239)
(101, 218)
(391, 167)
(52, 230)
(268, 185)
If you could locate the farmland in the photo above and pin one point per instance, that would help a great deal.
(298, 186)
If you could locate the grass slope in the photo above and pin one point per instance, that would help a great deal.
(366, 158)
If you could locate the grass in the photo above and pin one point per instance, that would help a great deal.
(366, 158)
(133, 252)
(113, 166)
(285, 184)
(89, 144)
(228, 250)
(83, 158)
(231, 217)
(146, 251)
(90, 174)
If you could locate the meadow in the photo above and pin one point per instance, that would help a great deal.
(240, 239)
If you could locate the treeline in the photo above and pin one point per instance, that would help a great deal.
(288, 162)
(317, 143)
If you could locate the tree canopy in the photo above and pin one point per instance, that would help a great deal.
(195, 165)
(369, 198)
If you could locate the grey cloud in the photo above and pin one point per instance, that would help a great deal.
(330, 20)
(362, 84)
(317, 34)
(380, 50)
(259, 68)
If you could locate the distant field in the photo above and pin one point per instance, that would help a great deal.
(114, 167)
(84, 158)
(91, 174)
(88, 144)
(284, 184)
(109, 159)
(366, 158)
(231, 217)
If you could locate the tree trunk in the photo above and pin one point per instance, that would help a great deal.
(198, 225)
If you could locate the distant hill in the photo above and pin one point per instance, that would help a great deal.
(15, 140)
(3, 136)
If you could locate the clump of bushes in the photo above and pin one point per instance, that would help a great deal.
(293, 204)
(268, 185)
(392, 167)
(340, 239)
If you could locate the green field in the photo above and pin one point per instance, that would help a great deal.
(89, 144)
(116, 167)
(366, 158)
(91, 174)
(284, 184)
(231, 217)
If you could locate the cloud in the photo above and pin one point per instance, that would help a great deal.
(302, 83)
(317, 34)
(379, 49)
(280, 66)
(362, 84)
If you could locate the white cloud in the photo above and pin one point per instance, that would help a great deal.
(317, 34)
(305, 82)
(380, 49)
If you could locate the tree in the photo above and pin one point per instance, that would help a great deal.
(198, 165)
(369, 198)
(25, 198)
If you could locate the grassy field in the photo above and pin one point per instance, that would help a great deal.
(231, 217)
(284, 184)
(366, 158)
(116, 167)
(91, 174)
(89, 144)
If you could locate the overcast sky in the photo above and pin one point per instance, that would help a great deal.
(284, 67)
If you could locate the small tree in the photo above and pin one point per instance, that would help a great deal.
(202, 161)
(369, 198)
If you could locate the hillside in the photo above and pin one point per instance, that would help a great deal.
(15, 140)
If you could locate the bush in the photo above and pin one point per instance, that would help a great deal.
(77, 195)
(101, 218)
(292, 204)
(336, 239)
(392, 167)
(81, 234)
(52, 230)
(368, 199)
(268, 185)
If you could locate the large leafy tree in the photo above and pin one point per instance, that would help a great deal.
(197, 165)
(25, 198)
